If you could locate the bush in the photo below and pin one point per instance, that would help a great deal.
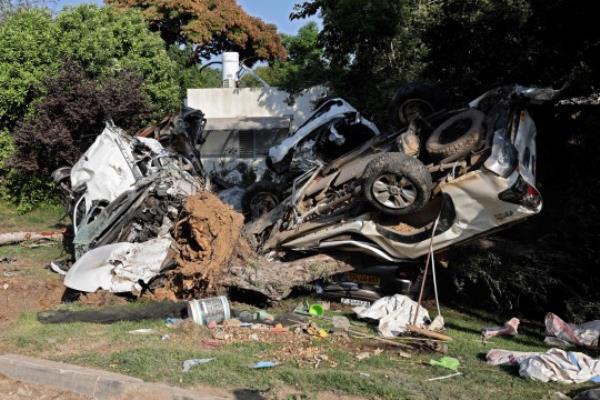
(73, 112)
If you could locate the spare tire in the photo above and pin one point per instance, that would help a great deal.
(396, 184)
(415, 99)
(458, 135)
(260, 198)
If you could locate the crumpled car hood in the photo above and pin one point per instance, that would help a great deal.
(118, 267)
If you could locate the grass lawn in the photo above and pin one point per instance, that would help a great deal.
(383, 376)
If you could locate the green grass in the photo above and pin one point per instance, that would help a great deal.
(386, 376)
(45, 217)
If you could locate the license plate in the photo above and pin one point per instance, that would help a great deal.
(355, 302)
(363, 278)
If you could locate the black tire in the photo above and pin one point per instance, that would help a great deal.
(415, 98)
(445, 142)
(405, 180)
(260, 198)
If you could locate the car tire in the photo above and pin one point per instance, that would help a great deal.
(415, 98)
(260, 198)
(396, 184)
(470, 139)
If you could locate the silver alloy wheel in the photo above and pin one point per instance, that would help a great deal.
(394, 192)
(412, 108)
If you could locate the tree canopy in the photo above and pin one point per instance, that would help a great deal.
(103, 41)
(465, 46)
(210, 27)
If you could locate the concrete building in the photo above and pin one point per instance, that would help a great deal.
(243, 123)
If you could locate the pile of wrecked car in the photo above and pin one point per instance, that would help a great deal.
(345, 207)
(337, 185)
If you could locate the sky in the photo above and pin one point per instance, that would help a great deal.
(272, 11)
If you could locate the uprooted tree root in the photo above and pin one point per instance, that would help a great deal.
(213, 255)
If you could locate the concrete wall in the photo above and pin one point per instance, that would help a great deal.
(254, 102)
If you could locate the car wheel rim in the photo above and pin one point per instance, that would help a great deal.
(394, 192)
(263, 203)
(413, 108)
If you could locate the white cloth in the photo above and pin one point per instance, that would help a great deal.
(555, 365)
(394, 314)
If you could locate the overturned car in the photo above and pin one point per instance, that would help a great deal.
(449, 176)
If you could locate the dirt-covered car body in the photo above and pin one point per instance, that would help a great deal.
(483, 190)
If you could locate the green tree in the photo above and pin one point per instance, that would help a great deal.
(106, 43)
(190, 74)
(466, 46)
(28, 53)
(103, 41)
(304, 67)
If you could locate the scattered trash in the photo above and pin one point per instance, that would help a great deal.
(555, 365)
(313, 330)
(231, 323)
(316, 310)
(394, 314)
(212, 309)
(302, 309)
(439, 378)
(188, 364)
(5, 286)
(165, 337)
(563, 334)
(437, 324)
(143, 331)
(220, 335)
(58, 268)
(171, 322)
(340, 322)
(264, 364)
(7, 260)
(279, 329)
(510, 328)
(212, 325)
(365, 374)
(450, 363)
(366, 354)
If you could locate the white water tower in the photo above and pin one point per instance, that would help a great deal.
(231, 66)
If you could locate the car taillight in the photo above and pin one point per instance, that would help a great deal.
(522, 193)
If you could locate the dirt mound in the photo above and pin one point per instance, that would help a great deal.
(207, 235)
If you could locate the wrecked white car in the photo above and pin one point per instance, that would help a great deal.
(450, 176)
(124, 195)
